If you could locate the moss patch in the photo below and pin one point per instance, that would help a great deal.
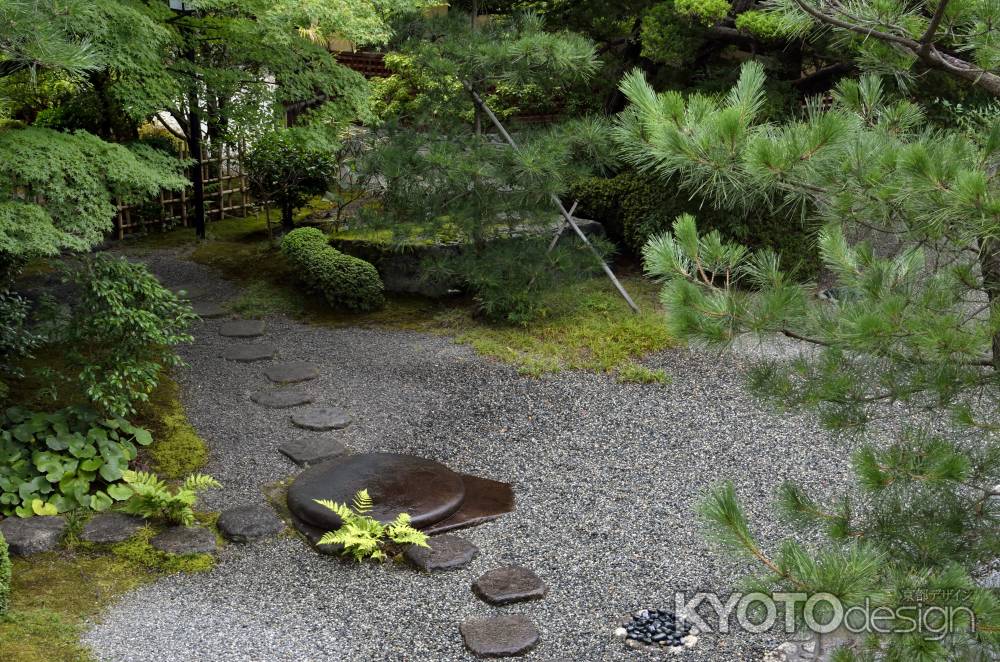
(177, 450)
(137, 551)
(633, 373)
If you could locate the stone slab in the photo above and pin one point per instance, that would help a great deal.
(446, 552)
(32, 535)
(209, 310)
(485, 500)
(250, 353)
(108, 528)
(281, 398)
(242, 329)
(291, 372)
(248, 523)
(185, 540)
(509, 584)
(321, 418)
(307, 451)
(189, 290)
(509, 635)
(425, 489)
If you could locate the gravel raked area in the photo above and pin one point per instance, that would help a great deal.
(606, 478)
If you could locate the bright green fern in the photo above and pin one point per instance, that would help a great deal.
(363, 536)
(152, 498)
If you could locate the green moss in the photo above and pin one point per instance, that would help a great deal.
(634, 373)
(139, 552)
(177, 450)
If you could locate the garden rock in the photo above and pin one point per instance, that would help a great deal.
(322, 418)
(110, 527)
(189, 291)
(446, 552)
(281, 398)
(242, 329)
(209, 310)
(32, 535)
(291, 372)
(247, 523)
(312, 450)
(503, 586)
(499, 636)
(185, 540)
(250, 353)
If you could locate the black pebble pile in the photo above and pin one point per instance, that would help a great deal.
(657, 627)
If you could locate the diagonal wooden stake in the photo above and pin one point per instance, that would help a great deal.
(555, 199)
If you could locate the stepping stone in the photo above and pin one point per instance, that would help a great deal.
(291, 372)
(321, 418)
(312, 450)
(503, 586)
(111, 527)
(32, 535)
(425, 489)
(189, 290)
(446, 552)
(185, 540)
(281, 398)
(247, 523)
(250, 353)
(499, 636)
(242, 329)
(208, 310)
(485, 500)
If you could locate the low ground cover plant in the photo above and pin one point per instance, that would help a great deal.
(151, 498)
(364, 537)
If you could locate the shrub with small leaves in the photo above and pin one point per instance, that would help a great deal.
(363, 536)
(72, 458)
(152, 498)
(4, 576)
(345, 281)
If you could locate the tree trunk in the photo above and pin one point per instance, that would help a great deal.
(287, 217)
(989, 263)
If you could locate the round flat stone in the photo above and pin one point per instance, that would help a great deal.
(499, 636)
(110, 527)
(208, 310)
(246, 523)
(312, 450)
(281, 398)
(446, 552)
(189, 290)
(32, 535)
(185, 540)
(242, 329)
(321, 418)
(250, 353)
(503, 586)
(425, 489)
(290, 372)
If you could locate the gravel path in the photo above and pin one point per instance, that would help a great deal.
(606, 477)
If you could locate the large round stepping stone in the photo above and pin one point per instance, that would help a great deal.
(111, 527)
(185, 540)
(425, 489)
(32, 535)
(242, 329)
(312, 450)
(499, 636)
(503, 586)
(209, 310)
(446, 552)
(321, 418)
(250, 353)
(189, 290)
(281, 398)
(291, 372)
(247, 523)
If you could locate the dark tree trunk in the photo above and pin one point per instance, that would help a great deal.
(287, 217)
(989, 262)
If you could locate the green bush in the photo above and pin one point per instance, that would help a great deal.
(344, 280)
(634, 207)
(4, 576)
(72, 458)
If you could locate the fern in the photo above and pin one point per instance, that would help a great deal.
(364, 537)
(152, 498)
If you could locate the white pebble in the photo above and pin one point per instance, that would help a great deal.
(689, 641)
(621, 633)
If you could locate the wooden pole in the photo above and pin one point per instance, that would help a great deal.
(555, 199)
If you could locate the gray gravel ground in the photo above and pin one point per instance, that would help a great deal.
(606, 477)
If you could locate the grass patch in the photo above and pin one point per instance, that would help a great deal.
(633, 373)
(177, 450)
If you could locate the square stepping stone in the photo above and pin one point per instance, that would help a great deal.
(291, 372)
(312, 450)
(446, 552)
(281, 398)
(185, 540)
(499, 636)
(242, 329)
(208, 310)
(321, 418)
(513, 583)
(247, 523)
(111, 527)
(250, 353)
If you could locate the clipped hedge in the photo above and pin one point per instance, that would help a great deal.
(345, 281)
(4, 576)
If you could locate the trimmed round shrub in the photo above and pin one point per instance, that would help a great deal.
(345, 281)
(4, 576)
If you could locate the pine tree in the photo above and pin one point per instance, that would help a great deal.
(914, 321)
